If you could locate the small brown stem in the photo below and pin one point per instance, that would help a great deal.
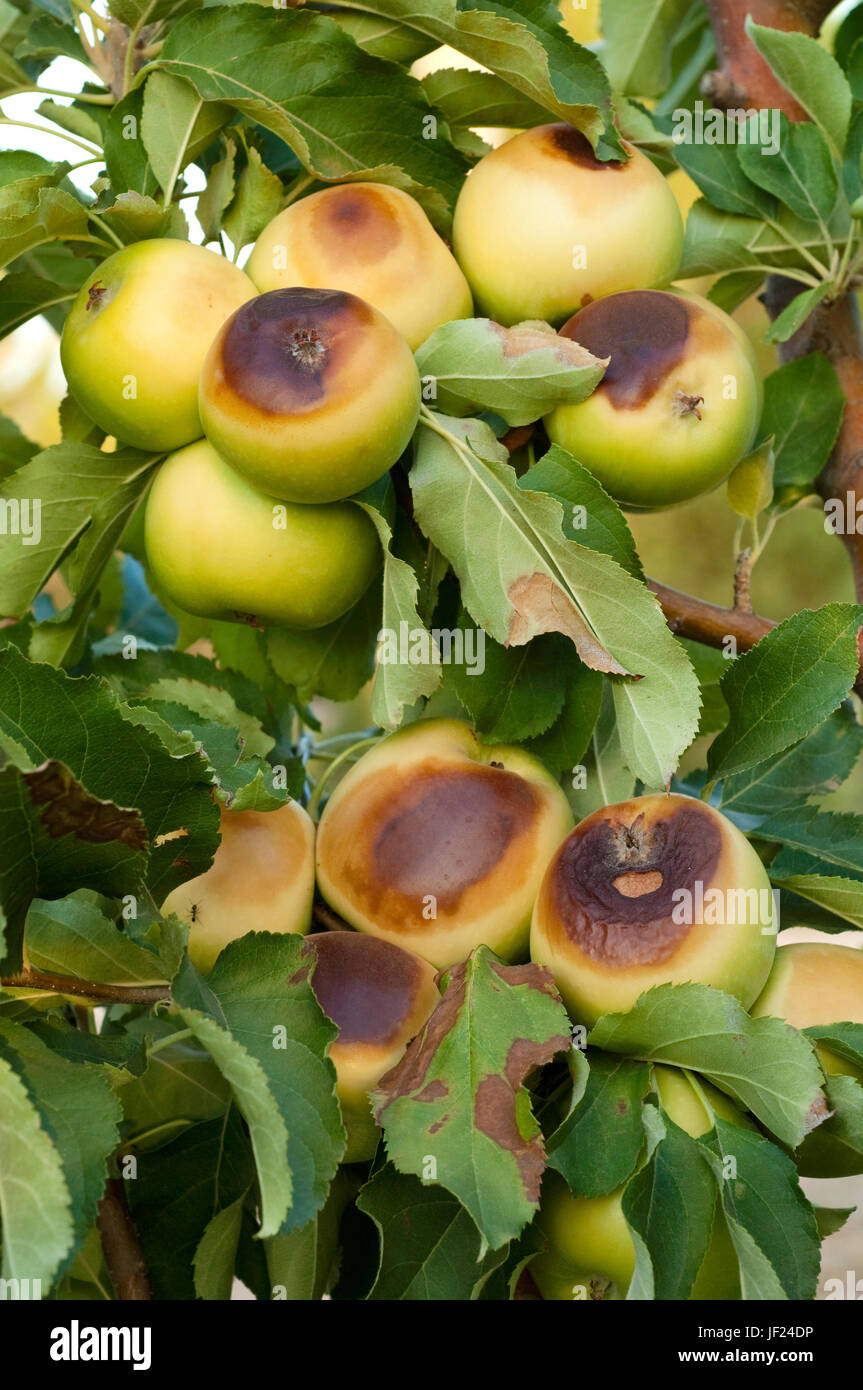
(123, 1254)
(87, 989)
(743, 581)
(324, 917)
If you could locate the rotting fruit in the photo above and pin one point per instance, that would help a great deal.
(262, 878)
(542, 226)
(661, 889)
(379, 996)
(590, 1252)
(813, 984)
(219, 548)
(309, 394)
(438, 842)
(373, 241)
(679, 404)
(137, 334)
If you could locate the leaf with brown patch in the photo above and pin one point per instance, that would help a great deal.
(455, 1109)
(521, 373)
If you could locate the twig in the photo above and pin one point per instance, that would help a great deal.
(87, 989)
(743, 580)
(123, 1254)
(712, 626)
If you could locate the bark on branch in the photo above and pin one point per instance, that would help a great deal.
(87, 989)
(123, 1254)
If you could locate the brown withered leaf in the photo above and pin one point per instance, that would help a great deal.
(540, 605)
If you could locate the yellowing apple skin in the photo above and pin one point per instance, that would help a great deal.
(679, 404)
(310, 394)
(379, 996)
(438, 842)
(541, 226)
(137, 334)
(221, 549)
(262, 879)
(373, 241)
(608, 921)
(812, 985)
(591, 1254)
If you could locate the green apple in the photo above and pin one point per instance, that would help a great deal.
(590, 1252)
(262, 879)
(137, 334)
(221, 549)
(661, 889)
(438, 842)
(679, 404)
(379, 996)
(373, 241)
(813, 984)
(310, 394)
(542, 226)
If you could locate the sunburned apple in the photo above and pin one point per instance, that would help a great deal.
(438, 842)
(542, 226)
(309, 394)
(679, 404)
(379, 996)
(137, 334)
(262, 879)
(661, 889)
(220, 549)
(373, 241)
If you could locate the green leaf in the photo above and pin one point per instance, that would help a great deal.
(520, 373)
(256, 1104)
(637, 42)
(257, 200)
(176, 126)
(808, 72)
(259, 991)
(750, 487)
(400, 683)
(179, 1087)
(57, 837)
(343, 112)
(797, 168)
(430, 1247)
(597, 1146)
(815, 766)
(76, 119)
(136, 217)
(525, 44)
(68, 492)
(771, 1223)
(48, 214)
(795, 314)
(767, 1066)
(803, 405)
(465, 97)
(334, 661)
(79, 1110)
(34, 1197)
(719, 173)
(605, 778)
(23, 295)
(563, 745)
(670, 1205)
(591, 517)
(518, 692)
(458, 1095)
(216, 1255)
(74, 937)
(786, 685)
(15, 450)
(45, 714)
(218, 194)
(521, 576)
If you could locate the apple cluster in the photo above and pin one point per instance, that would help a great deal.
(282, 390)
(435, 843)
